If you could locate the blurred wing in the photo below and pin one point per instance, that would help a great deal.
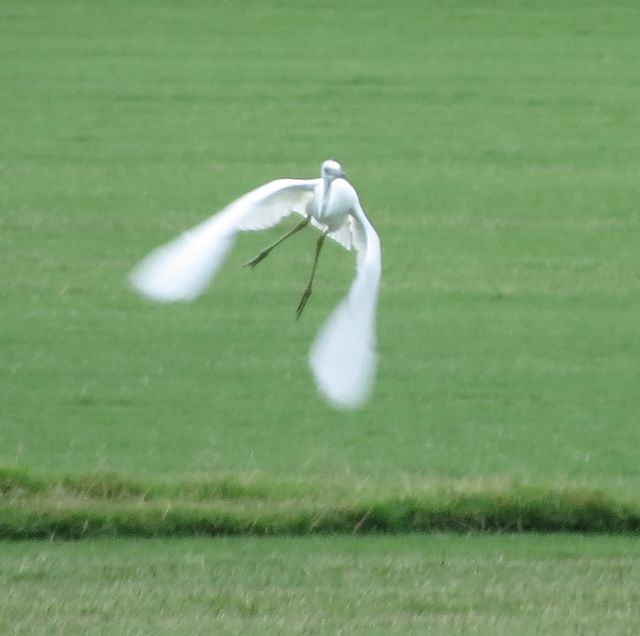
(343, 356)
(181, 269)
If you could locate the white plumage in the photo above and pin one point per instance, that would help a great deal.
(343, 355)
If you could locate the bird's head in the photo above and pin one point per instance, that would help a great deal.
(332, 170)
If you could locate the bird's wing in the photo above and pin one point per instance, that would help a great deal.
(351, 235)
(181, 269)
(268, 205)
(343, 356)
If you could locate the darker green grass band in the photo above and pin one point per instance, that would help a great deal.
(112, 506)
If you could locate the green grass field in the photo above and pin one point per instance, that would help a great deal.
(494, 147)
(417, 585)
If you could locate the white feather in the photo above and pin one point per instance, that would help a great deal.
(343, 356)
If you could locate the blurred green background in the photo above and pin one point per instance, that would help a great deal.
(495, 148)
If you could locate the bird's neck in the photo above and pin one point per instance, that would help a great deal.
(326, 193)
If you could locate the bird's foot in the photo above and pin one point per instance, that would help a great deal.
(257, 258)
(303, 301)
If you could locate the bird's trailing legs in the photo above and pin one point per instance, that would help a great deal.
(267, 250)
(307, 292)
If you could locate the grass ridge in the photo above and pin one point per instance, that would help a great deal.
(95, 505)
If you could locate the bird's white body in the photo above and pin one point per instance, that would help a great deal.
(343, 355)
(333, 201)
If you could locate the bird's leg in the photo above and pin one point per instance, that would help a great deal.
(307, 291)
(265, 252)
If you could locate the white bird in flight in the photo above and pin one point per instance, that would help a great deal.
(343, 357)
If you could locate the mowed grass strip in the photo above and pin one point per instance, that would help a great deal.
(437, 585)
(108, 505)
